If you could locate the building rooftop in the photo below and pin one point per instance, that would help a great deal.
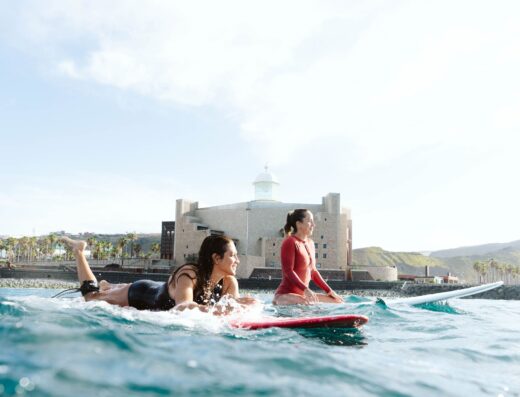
(266, 176)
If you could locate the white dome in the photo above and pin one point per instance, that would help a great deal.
(266, 177)
(266, 186)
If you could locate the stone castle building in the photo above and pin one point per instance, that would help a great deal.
(257, 228)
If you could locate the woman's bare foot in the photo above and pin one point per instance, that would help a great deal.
(74, 245)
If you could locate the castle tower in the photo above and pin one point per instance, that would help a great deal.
(266, 186)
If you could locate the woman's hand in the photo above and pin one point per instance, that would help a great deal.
(190, 305)
(310, 296)
(335, 296)
(247, 300)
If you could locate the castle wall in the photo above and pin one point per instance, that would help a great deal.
(257, 228)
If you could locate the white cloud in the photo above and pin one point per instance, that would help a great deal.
(377, 81)
(389, 78)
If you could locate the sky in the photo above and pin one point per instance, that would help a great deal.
(112, 110)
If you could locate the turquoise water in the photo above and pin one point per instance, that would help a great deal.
(66, 347)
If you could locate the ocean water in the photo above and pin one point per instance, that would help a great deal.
(67, 347)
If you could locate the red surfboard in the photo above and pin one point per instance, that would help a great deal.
(339, 321)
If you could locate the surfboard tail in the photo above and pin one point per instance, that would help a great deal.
(440, 296)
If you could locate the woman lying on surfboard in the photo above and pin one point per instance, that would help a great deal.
(299, 264)
(192, 285)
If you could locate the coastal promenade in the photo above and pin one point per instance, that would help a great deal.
(369, 288)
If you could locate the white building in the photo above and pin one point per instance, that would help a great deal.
(257, 228)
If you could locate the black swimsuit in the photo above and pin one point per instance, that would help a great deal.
(153, 295)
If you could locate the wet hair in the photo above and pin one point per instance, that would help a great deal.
(204, 266)
(297, 215)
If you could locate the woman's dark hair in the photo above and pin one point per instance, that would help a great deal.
(204, 266)
(297, 215)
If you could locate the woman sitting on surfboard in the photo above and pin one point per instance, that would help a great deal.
(192, 285)
(299, 264)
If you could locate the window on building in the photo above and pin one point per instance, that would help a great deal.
(274, 244)
(318, 265)
(322, 236)
(316, 255)
(325, 245)
(325, 219)
(186, 246)
(274, 254)
(316, 245)
(324, 256)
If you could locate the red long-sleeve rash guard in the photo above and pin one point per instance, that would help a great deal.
(299, 267)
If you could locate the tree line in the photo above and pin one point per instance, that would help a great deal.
(49, 248)
(491, 270)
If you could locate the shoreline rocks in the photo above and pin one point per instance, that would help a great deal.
(36, 283)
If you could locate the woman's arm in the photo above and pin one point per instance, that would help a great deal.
(183, 292)
(230, 288)
(319, 281)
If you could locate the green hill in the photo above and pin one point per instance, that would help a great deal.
(406, 262)
(415, 262)
(477, 250)
(375, 256)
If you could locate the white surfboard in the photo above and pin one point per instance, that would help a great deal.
(459, 293)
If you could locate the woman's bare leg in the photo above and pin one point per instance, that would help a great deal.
(78, 249)
(289, 299)
(115, 294)
(326, 299)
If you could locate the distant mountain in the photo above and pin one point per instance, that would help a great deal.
(375, 256)
(458, 261)
(406, 262)
(484, 249)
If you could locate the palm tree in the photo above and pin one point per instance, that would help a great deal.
(121, 243)
(493, 266)
(481, 268)
(52, 240)
(11, 247)
(156, 249)
(92, 242)
(96, 247)
(136, 249)
(43, 248)
(32, 245)
(501, 272)
(516, 273)
(68, 252)
(114, 252)
(509, 271)
(131, 237)
(477, 268)
(107, 249)
(23, 243)
(3, 245)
